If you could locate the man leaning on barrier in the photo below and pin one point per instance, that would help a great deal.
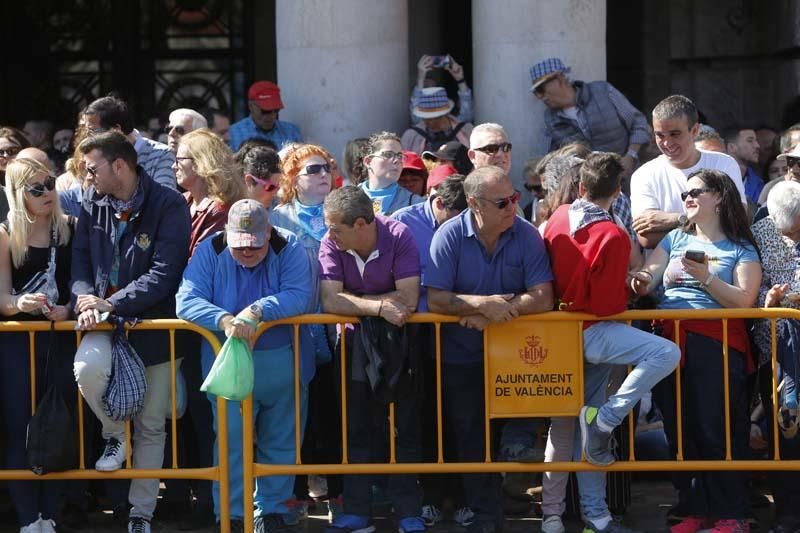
(249, 273)
(486, 265)
(590, 254)
(369, 267)
(128, 253)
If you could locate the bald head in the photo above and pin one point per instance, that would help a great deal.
(36, 155)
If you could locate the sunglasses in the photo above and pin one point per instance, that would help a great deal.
(9, 152)
(533, 188)
(492, 149)
(246, 249)
(93, 170)
(694, 193)
(502, 203)
(180, 130)
(393, 156)
(266, 184)
(791, 161)
(318, 168)
(40, 189)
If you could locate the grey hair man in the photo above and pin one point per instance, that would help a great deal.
(488, 145)
(181, 122)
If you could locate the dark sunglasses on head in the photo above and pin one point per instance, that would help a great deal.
(310, 170)
(791, 161)
(533, 188)
(694, 193)
(266, 184)
(180, 130)
(502, 203)
(492, 149)
(38, 189)
(10, 152)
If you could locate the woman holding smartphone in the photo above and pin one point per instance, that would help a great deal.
(35, 245)
(712, 262)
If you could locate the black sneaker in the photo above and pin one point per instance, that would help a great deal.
(138, 524)
(237, 526)
(269, 523)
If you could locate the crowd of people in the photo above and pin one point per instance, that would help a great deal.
(228, 225)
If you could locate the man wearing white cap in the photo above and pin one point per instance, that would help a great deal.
(439, 125)
(594, 112)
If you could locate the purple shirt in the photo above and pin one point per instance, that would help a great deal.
(397, 259)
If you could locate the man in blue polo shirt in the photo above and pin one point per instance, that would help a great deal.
(264, 103)
(486, 265)
(369, 267)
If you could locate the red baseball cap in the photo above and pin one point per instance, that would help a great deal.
(411, 161)
(266, 95)
(439, 174)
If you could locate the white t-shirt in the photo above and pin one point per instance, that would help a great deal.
(658, 185)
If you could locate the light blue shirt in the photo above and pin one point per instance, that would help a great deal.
(420, 220)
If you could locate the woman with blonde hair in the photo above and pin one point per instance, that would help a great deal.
(205, 167)
(35, 255)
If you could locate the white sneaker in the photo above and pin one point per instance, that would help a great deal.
(33, 527)
(431, 515)
(464, 516)
(113, 456)
(138, 524)
(552, 524)
(46, 525)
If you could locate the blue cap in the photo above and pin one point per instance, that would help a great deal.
(544, 70)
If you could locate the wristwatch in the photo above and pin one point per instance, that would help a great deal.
(255, 309)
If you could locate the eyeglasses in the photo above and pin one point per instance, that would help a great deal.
(492, 149)
(395, 157)
(38, 189)
(93, 170)
(266, 184)
(318, 168)
(179, 159)
(180, 130)
(10, 152)
(533, 188)
(791, 161)
(502, 203)
(694, 193)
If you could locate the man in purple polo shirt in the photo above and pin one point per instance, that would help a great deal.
(486, 265)
(369, 267)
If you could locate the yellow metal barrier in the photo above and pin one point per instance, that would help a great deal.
(214, 473)
(253, 470)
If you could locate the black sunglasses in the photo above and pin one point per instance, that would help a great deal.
(533, 188)
(39, 189)
(180, 130)
(10, 152)
(791, 161)
(502, 203)
(694, 193)
(492, 149)
(311, 170)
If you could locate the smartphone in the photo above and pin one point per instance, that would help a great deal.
(695, 255)
(440, 61)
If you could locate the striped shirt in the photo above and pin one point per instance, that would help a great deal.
(156, 159)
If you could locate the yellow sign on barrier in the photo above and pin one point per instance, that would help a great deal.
(535, 369)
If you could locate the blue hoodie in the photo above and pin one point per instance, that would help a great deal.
(214, 285)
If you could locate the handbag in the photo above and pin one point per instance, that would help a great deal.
(52, 418)
(124, 396)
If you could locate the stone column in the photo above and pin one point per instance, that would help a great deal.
(508, 36)
(343, 68)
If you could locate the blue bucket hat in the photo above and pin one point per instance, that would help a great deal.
(544, 70)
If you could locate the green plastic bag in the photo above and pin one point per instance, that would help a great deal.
(232, 374)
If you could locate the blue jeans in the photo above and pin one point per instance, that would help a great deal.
(273, 419)
(614, 343)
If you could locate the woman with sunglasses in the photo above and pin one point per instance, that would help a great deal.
(35, 254)
(204, 167)
(262, 175)
(384, 163)
(711, 262)
(306, 182)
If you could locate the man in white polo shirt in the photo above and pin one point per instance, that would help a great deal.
(657, 185)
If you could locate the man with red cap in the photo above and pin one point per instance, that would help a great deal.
(264, 102)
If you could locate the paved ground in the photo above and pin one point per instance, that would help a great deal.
(650, 500)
